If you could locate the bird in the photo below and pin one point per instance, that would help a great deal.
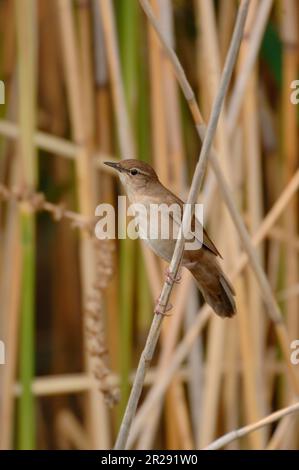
(144, 189)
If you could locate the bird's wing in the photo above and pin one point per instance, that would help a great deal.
(196, 225)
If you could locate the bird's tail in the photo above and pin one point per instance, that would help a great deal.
(216, 289)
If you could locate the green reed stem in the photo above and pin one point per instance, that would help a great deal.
(127, 27)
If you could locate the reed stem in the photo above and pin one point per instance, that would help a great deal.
(26, 40)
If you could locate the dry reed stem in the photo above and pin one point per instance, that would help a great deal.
(254, 43)
(212, 383)
(238, 93)
(104, 140)
(279, 235)
(255, 321)
(176, 154)
(161, 136)
(238, 433)
(81, 382)
(70, 433)
(227, 11)
(166, 352)
(10, 298)
(290, 147)
(10, 256)
(75, 383)
(125, 134)
(212, 387)
(231, 379)
(158, 111)
(154, 332)
(56, 145)
(86, 62)
(251, 398)
(271, 304)
(173, 177)
(195, 364)
(185, 438)
(209, 48)
(290, 293)
(96, 412)
(26, 28)
(281, 432)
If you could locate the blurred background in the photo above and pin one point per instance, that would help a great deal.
(87, 81)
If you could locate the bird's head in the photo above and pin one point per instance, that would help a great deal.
(134, 175)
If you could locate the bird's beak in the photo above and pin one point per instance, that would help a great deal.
(114, 165)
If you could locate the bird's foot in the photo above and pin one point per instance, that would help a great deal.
(171, 279)
(161, 309)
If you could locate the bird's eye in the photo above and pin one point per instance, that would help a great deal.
(133, 172)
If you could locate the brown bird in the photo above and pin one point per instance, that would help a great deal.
(145, 191)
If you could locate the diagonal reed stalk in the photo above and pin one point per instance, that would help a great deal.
(236, 434)
(154, 332)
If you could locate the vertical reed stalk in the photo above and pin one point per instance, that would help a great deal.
(175, 180)
(85, 41)
(127, 22)
(10, 293)
(104, 131)
(212, 66)
(254, 323)
(96, 410)
(158, 123)
(26, 39)
(289, 25)
(227, 11)
(173, 128)
(290, 147)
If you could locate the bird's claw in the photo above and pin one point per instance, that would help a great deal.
(171, 279)
(161, 309)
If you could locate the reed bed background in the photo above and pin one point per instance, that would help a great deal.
(88, 81)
